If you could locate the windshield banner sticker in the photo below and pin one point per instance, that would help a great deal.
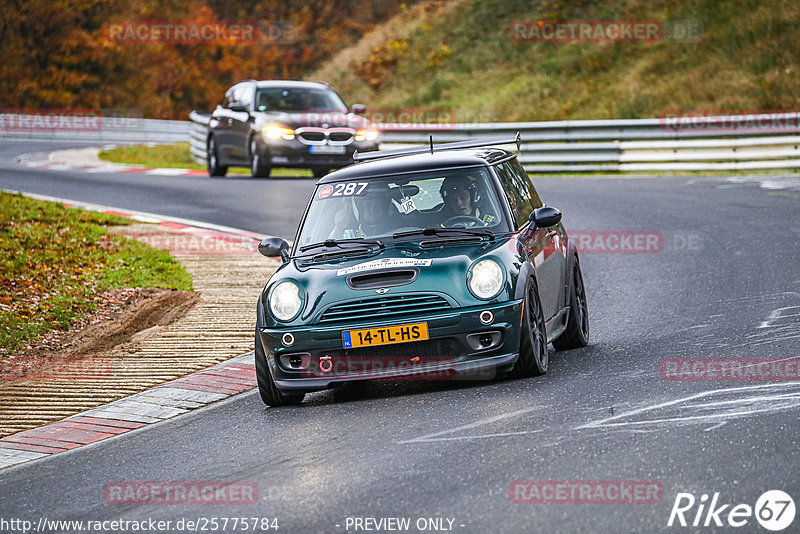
(385, 263)
(344, 189)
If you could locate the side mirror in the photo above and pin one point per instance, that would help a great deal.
(274, 246)
(358, 109)
(545, 217)
(237, 106)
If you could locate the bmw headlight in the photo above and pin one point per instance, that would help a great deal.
(486, 279)
(275, 132)
(285, 301)
(367, 134)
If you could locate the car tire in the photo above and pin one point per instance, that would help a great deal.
(319, 173)
(258, 166)
(533, 356)
(212, 158)
(576, 334)
(270, 393)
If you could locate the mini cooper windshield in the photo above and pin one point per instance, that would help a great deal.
(384, 207)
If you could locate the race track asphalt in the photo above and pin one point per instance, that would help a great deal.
(725, 284)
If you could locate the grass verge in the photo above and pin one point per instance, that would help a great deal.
(460, 56)
(175, 156)
(54, 262)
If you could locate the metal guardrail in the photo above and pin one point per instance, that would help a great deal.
(198, 134)
(90, 128)
(740, 142)
(737, 142)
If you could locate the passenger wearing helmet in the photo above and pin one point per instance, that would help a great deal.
(375, 211)
(461, 196)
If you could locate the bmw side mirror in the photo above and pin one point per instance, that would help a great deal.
(238, 106)
(274, 246)
(358, 109)
(545, 217)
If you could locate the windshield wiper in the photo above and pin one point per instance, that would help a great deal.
(330, 243)
(433, 231)
(343, 252)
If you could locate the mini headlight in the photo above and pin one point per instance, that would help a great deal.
(284, 301)
(486, 280)
(274, 132)
(367, 134)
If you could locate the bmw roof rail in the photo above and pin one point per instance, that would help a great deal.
(472, 143)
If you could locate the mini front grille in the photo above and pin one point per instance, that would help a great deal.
(380, 308)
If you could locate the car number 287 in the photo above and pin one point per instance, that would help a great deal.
(349, 189)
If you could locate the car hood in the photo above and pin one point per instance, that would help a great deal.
(441, 270)
(313, 118)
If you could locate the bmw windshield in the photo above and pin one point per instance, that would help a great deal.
(380, 208)
(291, 100)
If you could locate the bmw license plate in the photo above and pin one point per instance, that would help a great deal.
(327, 149)
(385, 335)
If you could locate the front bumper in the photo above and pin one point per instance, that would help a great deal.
(317, 360)
(293, 154)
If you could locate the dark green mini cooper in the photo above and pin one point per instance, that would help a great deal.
(431, 263)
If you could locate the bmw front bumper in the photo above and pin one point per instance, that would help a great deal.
(291, 154)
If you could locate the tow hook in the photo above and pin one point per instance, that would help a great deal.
(325, 364)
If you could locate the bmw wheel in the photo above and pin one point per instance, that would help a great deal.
(214, 168)
(258, 166)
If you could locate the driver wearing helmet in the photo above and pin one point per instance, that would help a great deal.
(461, 198)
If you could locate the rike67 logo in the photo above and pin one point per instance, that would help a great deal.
(774, 510)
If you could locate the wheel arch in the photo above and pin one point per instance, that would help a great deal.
(572, 260)
(526, 271)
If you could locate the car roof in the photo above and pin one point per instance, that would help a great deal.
(419, 163)
(291, 83)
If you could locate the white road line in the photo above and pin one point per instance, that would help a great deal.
(164, 171)
(609, 421)
(480, 436)
(479, 422)
(686, 419)
(139, 215)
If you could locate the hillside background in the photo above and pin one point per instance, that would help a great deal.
(461, 58)
(454, 55)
